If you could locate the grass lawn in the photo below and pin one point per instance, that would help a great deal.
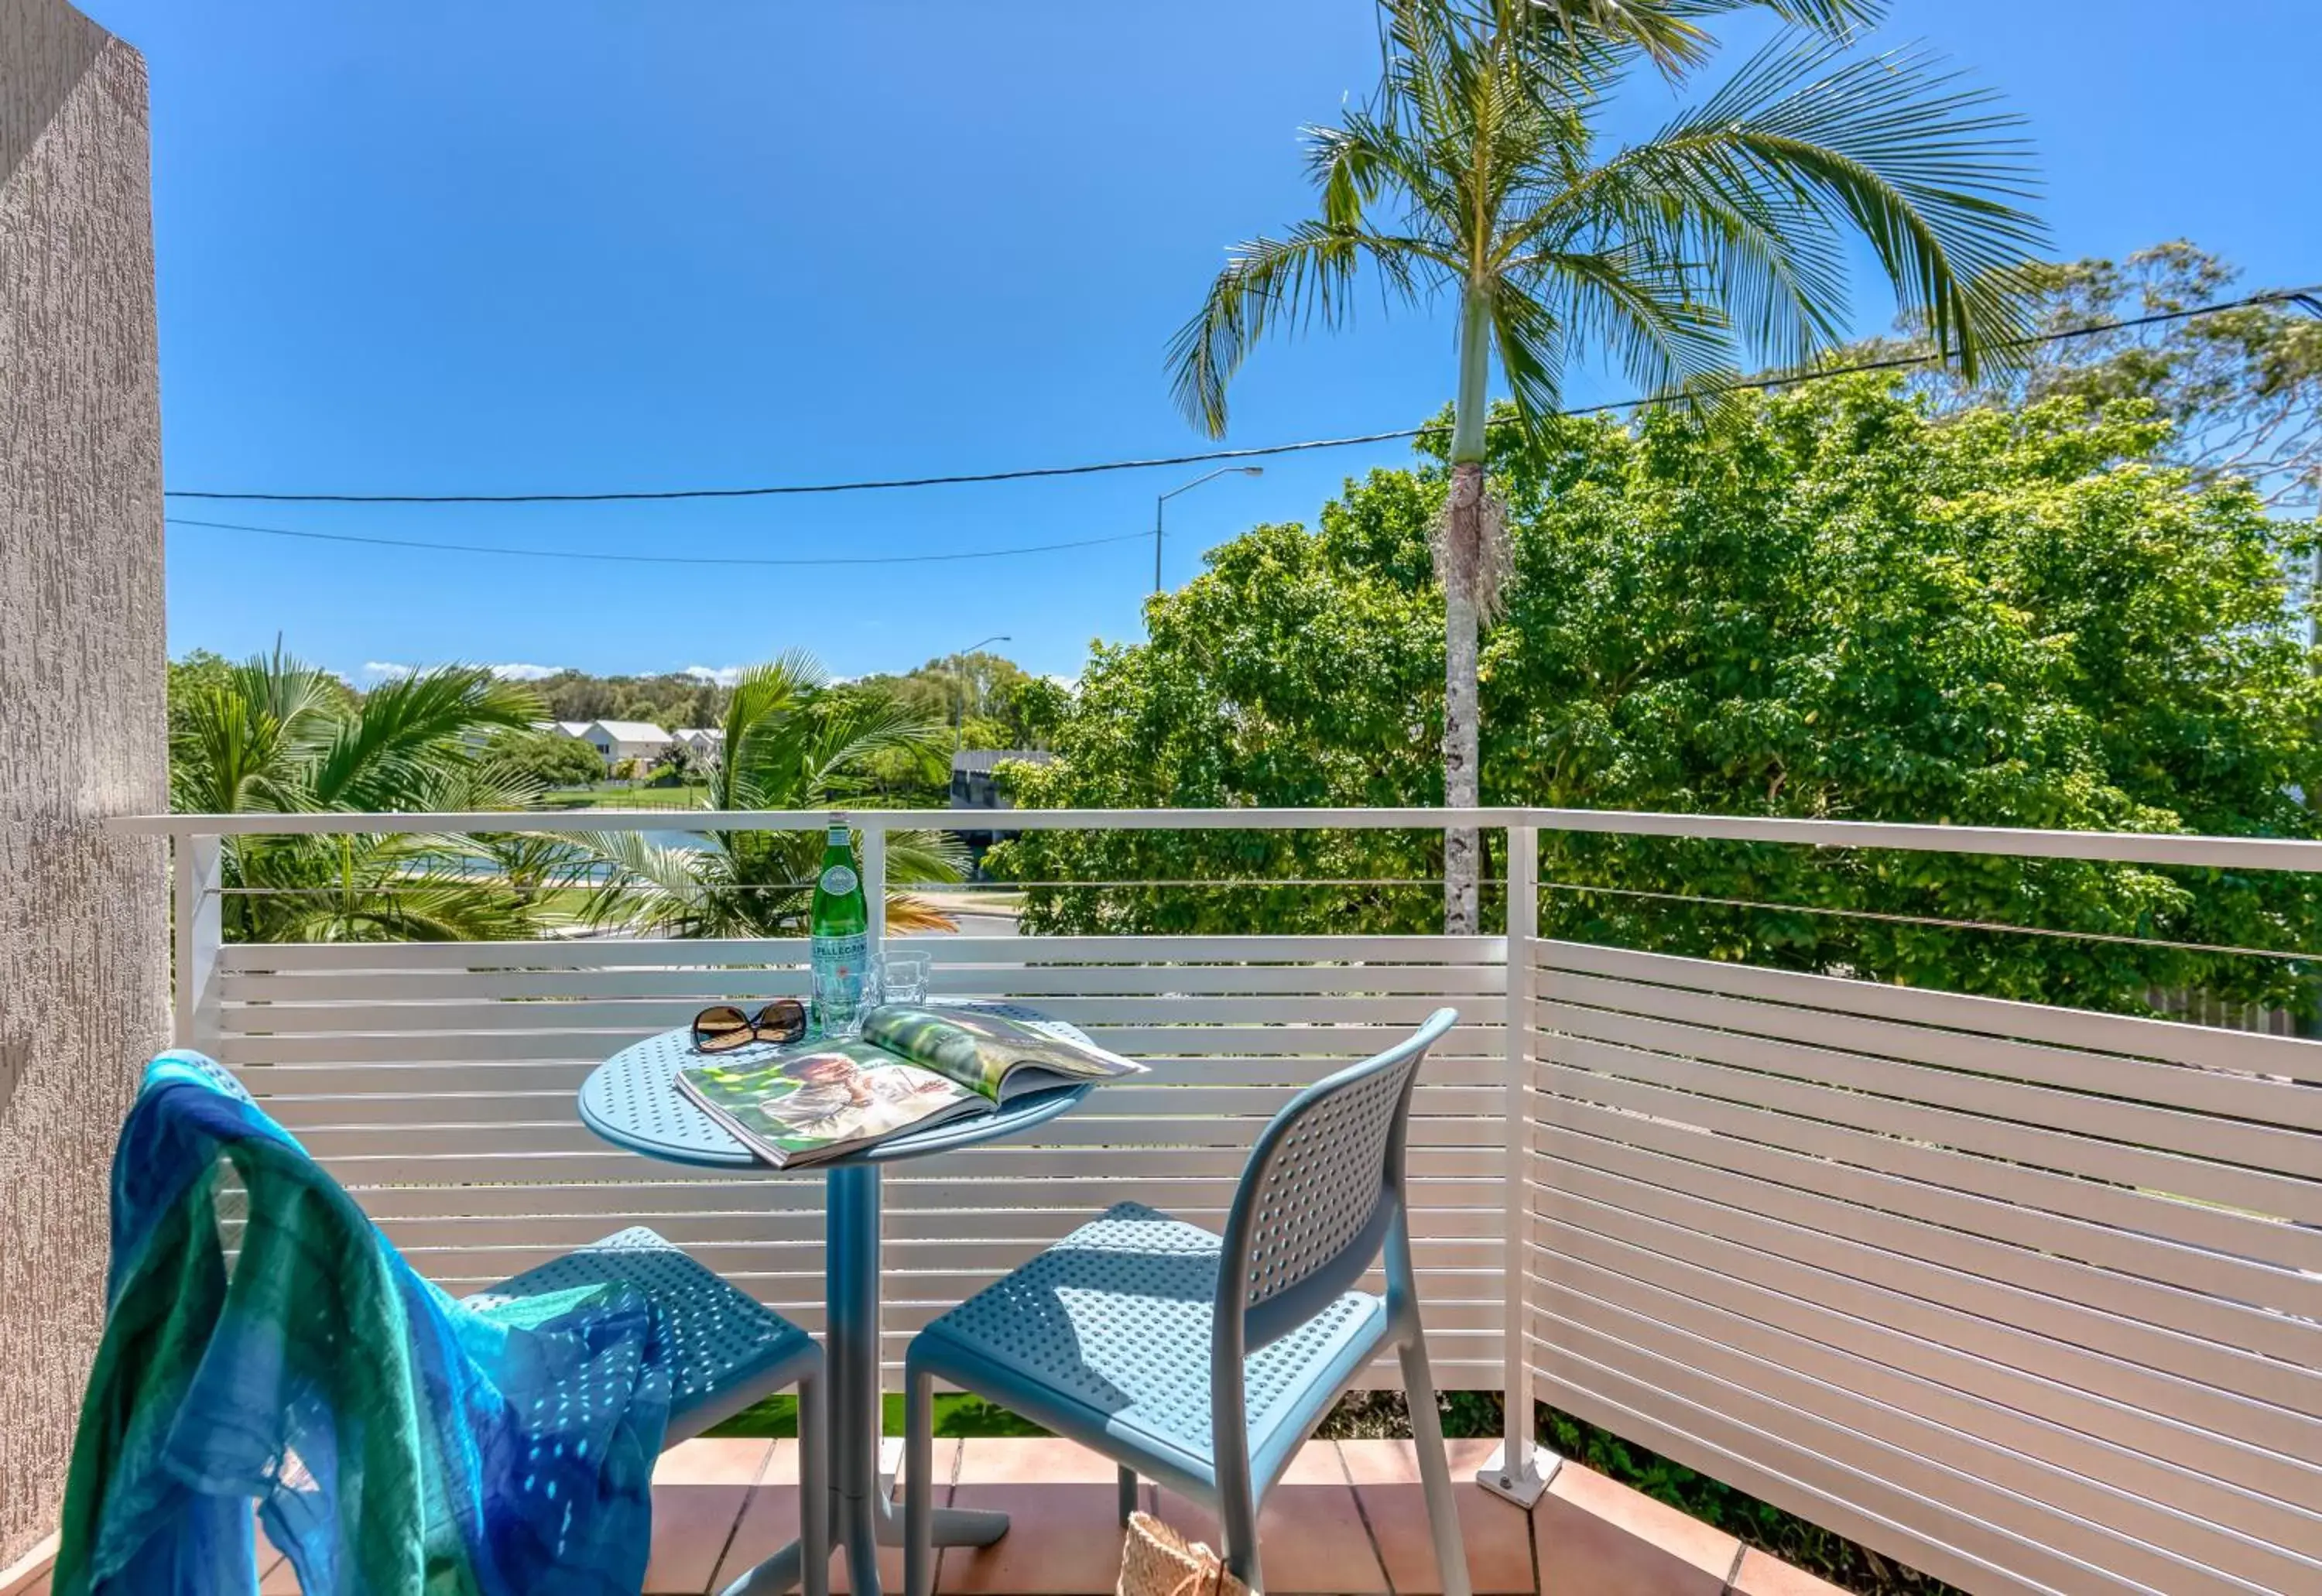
(688, 797)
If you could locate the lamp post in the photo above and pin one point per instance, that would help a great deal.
(1173, 492)
(959, 664)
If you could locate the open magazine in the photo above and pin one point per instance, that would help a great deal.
(910, 1068)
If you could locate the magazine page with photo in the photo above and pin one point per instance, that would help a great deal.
(910, 1068)
(819, 1100)
(994, 1056)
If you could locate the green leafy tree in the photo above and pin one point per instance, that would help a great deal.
(544, 760)
(274, 736)
(1836, 603)
(674, 698)
(791, 741)
(982, 692)
(1476, 175)
(2241, 389)
(189, 677)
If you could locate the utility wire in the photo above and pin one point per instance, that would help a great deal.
(399, 542)
(2308, 299)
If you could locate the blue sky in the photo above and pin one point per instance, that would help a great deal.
(496, 248)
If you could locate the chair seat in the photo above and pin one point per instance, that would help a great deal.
(726, 1349)
(1106, 1334)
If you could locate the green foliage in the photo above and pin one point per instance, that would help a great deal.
(1833, 604)
(2241, 389)
(672, 699)
(544, 759)
(1476, 174)
(190, 677)
(274, 736)
(792, 741)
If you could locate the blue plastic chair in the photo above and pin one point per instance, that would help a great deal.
(1203, 1360)
(729, 1351)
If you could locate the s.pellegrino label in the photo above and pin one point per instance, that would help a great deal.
(838, 929)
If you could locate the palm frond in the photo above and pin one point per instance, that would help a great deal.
(1627, 302)
(847, 736)
(915, 857)
(767, 730)
(1931, 173)
(408, 733)
(1308, 276)
(646, 886)
(907, 912)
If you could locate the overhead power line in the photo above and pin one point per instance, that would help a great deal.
(2308, 299)
(400, 542)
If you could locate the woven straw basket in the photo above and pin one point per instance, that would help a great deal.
(1157, 1560)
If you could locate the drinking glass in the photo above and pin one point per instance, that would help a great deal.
(839, 1004)
(903, 979)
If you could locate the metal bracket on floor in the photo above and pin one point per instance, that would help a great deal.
(1523, 1484)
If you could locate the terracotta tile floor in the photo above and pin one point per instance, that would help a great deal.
(1348, 1520)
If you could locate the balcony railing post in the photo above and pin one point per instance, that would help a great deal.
(1521, 1469)
(198, 926)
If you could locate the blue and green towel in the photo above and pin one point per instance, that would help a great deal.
(394, 1442)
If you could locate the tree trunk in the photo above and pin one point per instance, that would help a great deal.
(1460, 728)
(1460, 555)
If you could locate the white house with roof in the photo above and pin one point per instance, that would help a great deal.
(619, 741)
(704, 743)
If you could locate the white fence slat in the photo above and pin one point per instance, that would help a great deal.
(1589, 1132)
(2231, 1348)
(1923, 1532)
(1621, 1304)
(2133, 1038)
(1578, 1061)
(2054, 1543)
(1876, 1055)
(2231, 1436)
(2231, 1234)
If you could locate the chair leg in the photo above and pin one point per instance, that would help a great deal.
(1434, 1469)
(918, 1484)
(814, 1487)
(1237, 1528)
(1128, 1492)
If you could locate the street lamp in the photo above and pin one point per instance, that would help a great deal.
(959, 665)
(1173, 492)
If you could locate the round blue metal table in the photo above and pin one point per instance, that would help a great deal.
(632, 1100)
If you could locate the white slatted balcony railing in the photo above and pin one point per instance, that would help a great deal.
(2025, 1297)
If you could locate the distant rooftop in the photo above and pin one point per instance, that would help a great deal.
(981, 761)
(631, 731)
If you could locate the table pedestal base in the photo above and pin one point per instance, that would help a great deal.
(862, 1516)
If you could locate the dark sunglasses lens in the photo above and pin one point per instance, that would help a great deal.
(720, 1027)
(783, 1020)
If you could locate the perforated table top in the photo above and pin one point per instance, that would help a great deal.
(631, 1099)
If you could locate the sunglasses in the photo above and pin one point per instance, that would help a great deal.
(726, 1028)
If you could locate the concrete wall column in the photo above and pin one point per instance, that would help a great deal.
(84, 951)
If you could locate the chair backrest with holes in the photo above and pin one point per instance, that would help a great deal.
(1321, 1188)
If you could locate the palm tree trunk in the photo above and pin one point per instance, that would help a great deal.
(1460, 557)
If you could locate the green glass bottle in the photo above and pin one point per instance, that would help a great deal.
(839, 932)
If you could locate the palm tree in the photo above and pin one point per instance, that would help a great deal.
(792, 741)
(274, 736)
(1476, 174)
